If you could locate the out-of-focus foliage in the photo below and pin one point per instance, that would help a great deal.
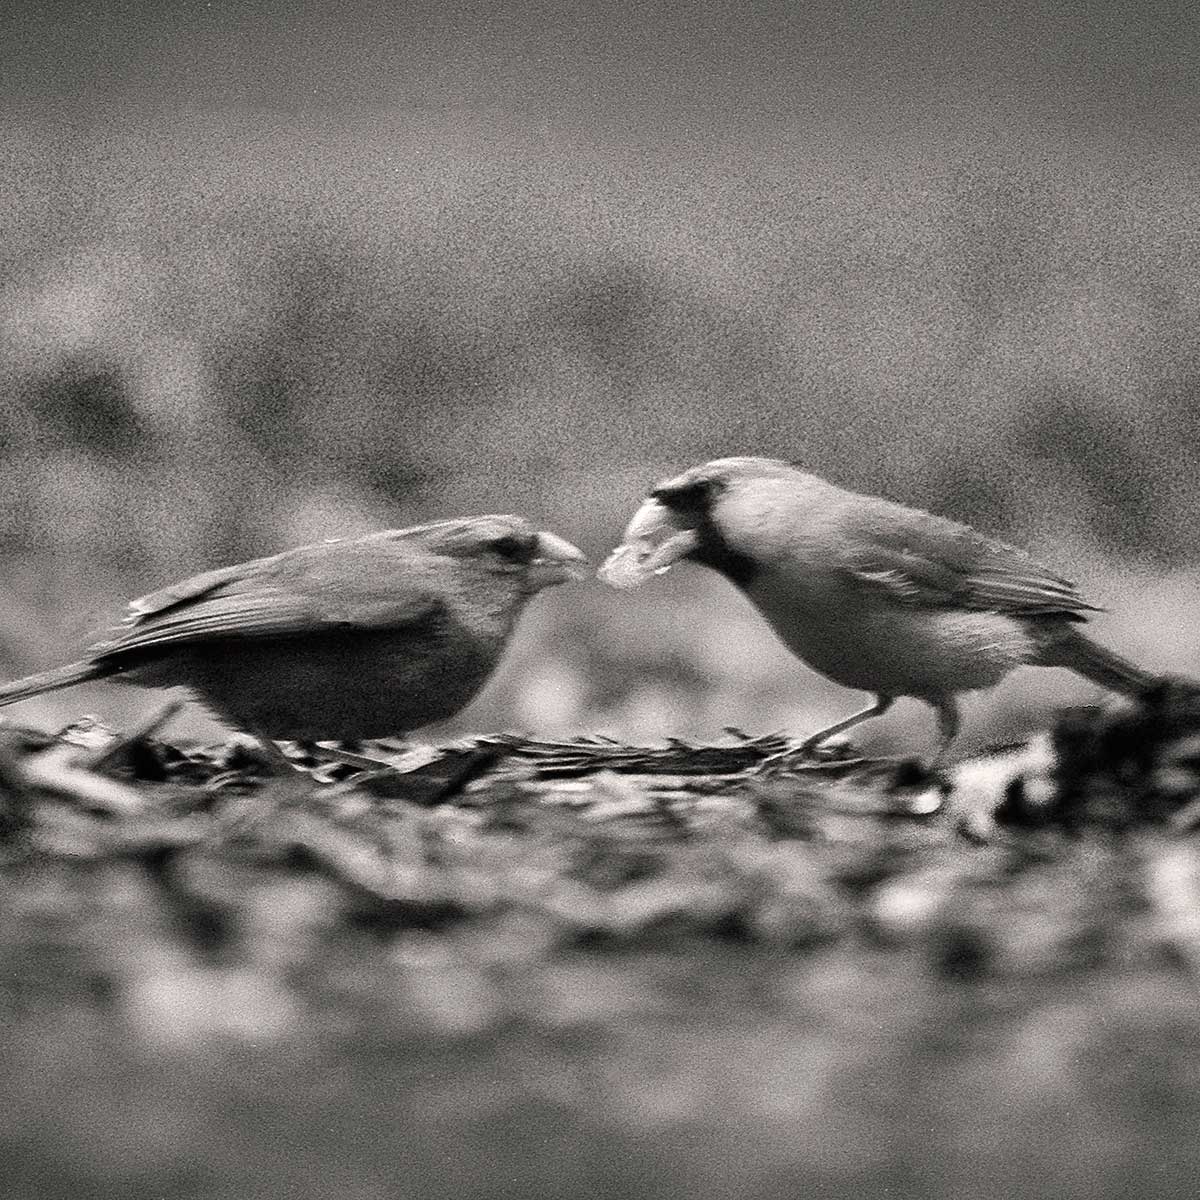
(220, 336)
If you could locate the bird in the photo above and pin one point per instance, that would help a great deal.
(877, 596)
(341, 640)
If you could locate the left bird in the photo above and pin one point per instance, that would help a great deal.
(353, 638)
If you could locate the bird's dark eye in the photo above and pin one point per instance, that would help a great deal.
(514, 546)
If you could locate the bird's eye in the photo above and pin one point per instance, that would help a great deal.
(514, 547)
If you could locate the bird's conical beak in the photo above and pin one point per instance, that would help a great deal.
(651, 544)
(556, 561)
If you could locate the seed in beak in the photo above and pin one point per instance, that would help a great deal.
(652, 544)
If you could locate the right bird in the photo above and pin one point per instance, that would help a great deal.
(352, 638)
(887, 599)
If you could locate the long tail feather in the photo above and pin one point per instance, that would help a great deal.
(1077, 651)
(50, 681)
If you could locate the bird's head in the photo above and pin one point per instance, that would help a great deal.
(724, 514)
(505, 546)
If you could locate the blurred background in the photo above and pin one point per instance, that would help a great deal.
(271, 272)
(278, 272)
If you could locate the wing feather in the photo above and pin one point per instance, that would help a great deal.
(317, 588)
(930, 562)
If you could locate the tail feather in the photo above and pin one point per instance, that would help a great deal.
(1075, 650)
(50, 681)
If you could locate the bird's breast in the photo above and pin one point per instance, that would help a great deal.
(863, 638)
(343, 685)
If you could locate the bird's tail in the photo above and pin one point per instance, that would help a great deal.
(49, 681)
(1075, 650)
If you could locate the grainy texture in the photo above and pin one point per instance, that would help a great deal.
(874, 595)
(591, 971)
(346, 638)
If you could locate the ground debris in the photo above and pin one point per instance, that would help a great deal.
(594, 935)
(592, 839)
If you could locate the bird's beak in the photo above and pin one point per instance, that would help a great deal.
(555, 561)
(651, 544)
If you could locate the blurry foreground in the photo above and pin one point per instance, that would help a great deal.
(570, 979)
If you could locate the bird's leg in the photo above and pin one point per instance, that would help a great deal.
(881, 705)
(806, 747)
(949, 722)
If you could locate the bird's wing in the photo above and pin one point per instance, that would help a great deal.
(188, 591)
(930, 562)
(304, 591)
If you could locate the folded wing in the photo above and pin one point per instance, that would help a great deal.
(936, 563)
(328, 587)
